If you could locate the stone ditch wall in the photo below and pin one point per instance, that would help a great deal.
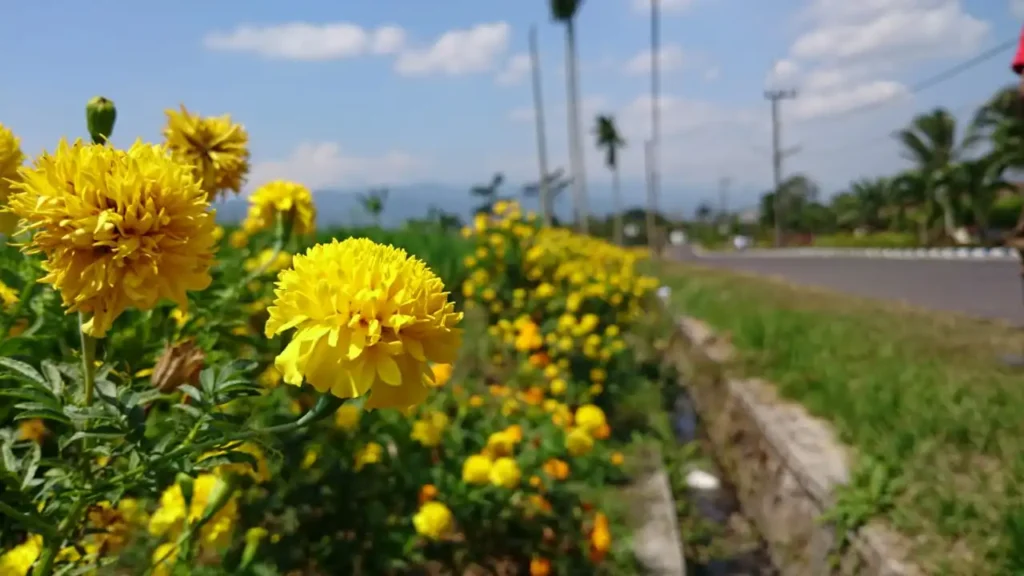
(784, 464)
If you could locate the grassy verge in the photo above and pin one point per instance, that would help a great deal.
(933, 417)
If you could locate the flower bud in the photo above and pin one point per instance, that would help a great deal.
(100, 115)
(179, 364)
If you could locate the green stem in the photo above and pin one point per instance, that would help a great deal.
(88, 360)
(51, 545)
(30, 521)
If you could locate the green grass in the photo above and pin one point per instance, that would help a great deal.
(936, 422)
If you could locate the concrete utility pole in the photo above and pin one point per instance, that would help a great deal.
(778, 154)
(653, 155)
(546, 207)
(652, 200)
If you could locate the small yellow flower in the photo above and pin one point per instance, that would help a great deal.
(217, 148)
(368, 318)
(347, 417)
(429, 431)
(33, 429)
(173, 511)
(119, 229)
(505, 473)
(433, 520)
(579, 442)
(371, 453)
(590, 418)
(477, 469)
(19, 560)
(442, 374)
(292, 201)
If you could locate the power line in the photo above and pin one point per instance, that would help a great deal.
(931, 81)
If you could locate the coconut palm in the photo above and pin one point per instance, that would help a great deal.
(565, 12)
(488, 192)
(932, 144)
(980, 182)
(610, 141)
(373, 203)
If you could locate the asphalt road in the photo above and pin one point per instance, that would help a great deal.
(984, 289)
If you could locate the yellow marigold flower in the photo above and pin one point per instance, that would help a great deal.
(170, 516)
(10, 160)
(109, 527)
(32, 429)
(368, 318)
(477, 469)
(617, 459)
(442, 374)
(427, 493)
(292, 201)
(119, 229)
(268, 261)
(371, 453)
(590, 418)
(505, 473)
(501, 443)
(238, 239)
(578, 442)
(347, 417)
(217, 148)
(19, 560)
(429, 431)
(433, 520)
(260, 474)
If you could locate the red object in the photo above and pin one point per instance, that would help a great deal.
(1018, 60)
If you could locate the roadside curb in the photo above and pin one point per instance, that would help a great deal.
(975, 254)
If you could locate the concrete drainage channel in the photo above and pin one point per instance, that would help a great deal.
(740, 551)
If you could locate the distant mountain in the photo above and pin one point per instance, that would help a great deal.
(342, 207)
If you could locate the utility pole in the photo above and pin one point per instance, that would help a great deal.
(652, 200)
(778, 154)
(655, 143)
(542, 146)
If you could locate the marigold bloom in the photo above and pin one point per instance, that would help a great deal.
(600, 538)
(540, 566)
(557, 469)
(110, 527)
(368, 318)
(291, 200)
(19, 560)
(32, 429)
(442, 374)
(10, 160)
(590, 418)
(505, 473)
(347, 417)
(169, 518)
(216, 148)
(579, 442)
(429, 431)
(477, 469)
(433, 520)
(371, 453)
(119, 229)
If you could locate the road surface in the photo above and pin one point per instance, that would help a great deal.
(980, 288)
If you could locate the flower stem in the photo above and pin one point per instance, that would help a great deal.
(88, 360)
(51, 544)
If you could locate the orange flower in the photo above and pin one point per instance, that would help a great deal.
(533, 396)
(557, 469)
(539, 360)
(603, 432)
(600, 538)
(427, 493)
(540, 566)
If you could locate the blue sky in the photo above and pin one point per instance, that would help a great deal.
(345, 94)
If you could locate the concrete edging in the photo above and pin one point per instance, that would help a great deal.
(784, 464)
(976, 254)
(655, 527)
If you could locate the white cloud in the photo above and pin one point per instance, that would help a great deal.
(304, 41)
(1017, 9)
(712, 74)
(667, 6)
(326, 165)
(516, 69)
(590, 107)
(851, 53)
(458, 52)
(671, 57)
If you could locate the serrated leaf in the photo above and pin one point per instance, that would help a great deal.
(24, 370)
(33, 465)
(51, 415)
(190, 410)
(106, 388)
(29, 393)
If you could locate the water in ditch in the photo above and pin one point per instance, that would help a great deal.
(723, 542)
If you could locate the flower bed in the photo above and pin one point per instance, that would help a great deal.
(299, 408)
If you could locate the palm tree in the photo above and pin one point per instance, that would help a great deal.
(373, 203)
(556, 183)
(609, 140)
(980, 183)
(930, 142)
(564, 12)
(488, 192)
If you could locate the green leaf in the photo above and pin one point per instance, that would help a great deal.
(53, 376)
(30, 394)
(24, 370)
(42, 414)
